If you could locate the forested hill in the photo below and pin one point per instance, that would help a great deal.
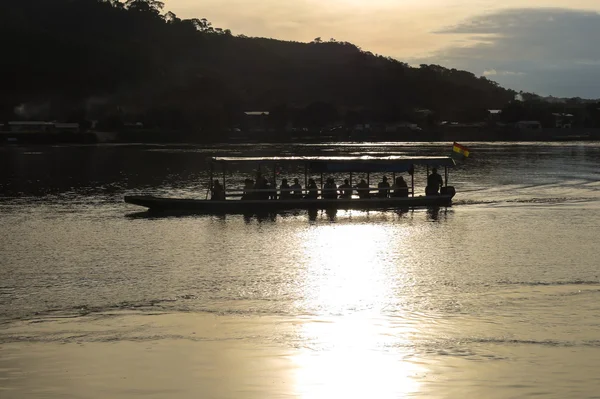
(73, 59)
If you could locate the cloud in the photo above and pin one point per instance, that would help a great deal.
(545, 50)
(493, 72)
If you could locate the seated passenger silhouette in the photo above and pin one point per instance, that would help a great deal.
(272, 186)
(285, 194)
(400, 187)
(262, 185)
(264, 195)
(218, 193)
(345, 190)
(297, 193)
(434, 183)
(248, 190)
(313, 190)
(384, 188)
(363, 189)
(330, 189)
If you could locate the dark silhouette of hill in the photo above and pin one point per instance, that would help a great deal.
(117, 61)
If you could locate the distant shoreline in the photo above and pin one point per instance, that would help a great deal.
(433, 135)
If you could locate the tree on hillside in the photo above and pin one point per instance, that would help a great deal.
(172, 18)
(202, 25)
(115, 3)
(151, 6)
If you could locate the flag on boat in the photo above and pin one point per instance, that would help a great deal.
(460, 151)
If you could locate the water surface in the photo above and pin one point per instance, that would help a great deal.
(496, 296)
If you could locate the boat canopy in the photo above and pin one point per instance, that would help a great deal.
(339, 164)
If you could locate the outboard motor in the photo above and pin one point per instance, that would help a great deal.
(431, 191)
(448, 191)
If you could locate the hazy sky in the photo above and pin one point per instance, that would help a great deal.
(546, 46)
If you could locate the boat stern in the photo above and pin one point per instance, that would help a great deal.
(145, 201)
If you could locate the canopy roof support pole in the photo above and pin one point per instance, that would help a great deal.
(275, 180)
(210, 182)
(305, 176)
(427, 180)
(412, 181)
(224, 186)
(446, 176)
(321, 185)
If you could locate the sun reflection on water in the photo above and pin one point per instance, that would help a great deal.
(353, 350)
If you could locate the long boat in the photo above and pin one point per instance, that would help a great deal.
(246, 201)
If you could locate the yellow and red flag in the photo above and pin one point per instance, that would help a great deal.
(459, 151)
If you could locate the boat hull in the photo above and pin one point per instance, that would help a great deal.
(157, 204)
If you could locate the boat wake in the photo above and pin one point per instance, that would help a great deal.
(551, 283)
(455, 343)
(533, 200)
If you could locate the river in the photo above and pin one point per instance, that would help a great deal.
(497, 296)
